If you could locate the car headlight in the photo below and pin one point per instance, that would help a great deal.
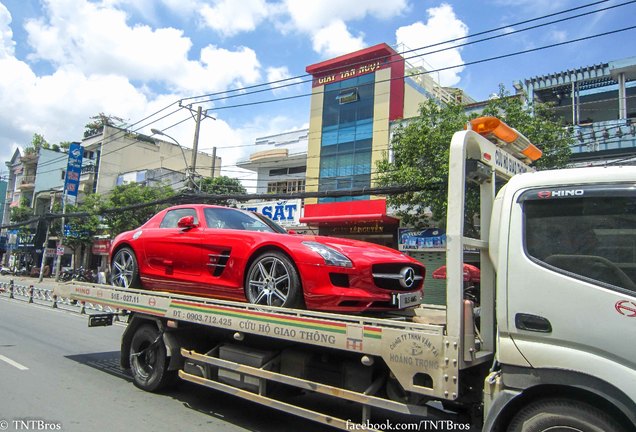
(330, 255)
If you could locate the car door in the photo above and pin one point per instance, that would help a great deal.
(173, 253)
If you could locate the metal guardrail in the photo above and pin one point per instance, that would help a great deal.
(46, 296)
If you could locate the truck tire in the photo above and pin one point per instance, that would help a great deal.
(562, 415)
(149, 360)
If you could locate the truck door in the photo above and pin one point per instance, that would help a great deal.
(571, 282)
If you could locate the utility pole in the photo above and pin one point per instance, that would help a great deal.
(46, 239)
(195, 148)
(58, 263)
(213, 162)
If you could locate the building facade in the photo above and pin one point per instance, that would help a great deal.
(115, 151)
(355, 100)
(598, 103)
(280, 165)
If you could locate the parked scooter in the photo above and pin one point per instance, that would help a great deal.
(5, 271)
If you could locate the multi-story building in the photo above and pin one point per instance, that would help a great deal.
(280, 165)
(115, 151)
(280, 162)
(599, 104)
(355, 100)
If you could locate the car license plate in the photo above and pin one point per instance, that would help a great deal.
(404, 300)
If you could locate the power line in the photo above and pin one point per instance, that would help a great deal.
(243, 89)
(114, 138)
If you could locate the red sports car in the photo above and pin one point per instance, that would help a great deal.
(233, 254)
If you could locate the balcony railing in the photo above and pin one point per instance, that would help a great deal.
(602, 136)
(27, 182)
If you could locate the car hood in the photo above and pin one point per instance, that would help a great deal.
(357, 248)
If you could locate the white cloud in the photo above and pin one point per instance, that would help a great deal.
(218, 70)
(534, 5)
(282, 78)
(334, 40)
(326, 21)
(558, 36)
(442, 25)
(312, 16)
(7, 45)
(230, 17)
(98, 39)
(94, 71)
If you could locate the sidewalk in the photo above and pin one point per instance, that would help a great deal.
(48, 283)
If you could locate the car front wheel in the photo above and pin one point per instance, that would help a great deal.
(273, 280)
(125, 271)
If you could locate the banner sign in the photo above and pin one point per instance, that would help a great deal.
(73, 170)
(413, 240)
(285, 212)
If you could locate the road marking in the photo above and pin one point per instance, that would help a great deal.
(13, 363)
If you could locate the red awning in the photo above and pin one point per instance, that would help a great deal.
(349, 212)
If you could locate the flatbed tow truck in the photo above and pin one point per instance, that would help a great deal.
(550, 347)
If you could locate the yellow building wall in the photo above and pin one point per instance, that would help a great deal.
(314, 139)
(380, 143)
(412, 101)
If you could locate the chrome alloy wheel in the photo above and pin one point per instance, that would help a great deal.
(268, 282)
(124, 268)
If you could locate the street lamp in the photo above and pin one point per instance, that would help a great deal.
(188, 173)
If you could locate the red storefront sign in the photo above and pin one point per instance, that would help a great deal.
(101, 247)
(348, 212)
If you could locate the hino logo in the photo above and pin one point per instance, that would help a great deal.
(626, 308)
(561, 193)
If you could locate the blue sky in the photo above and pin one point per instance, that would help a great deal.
(62, 61)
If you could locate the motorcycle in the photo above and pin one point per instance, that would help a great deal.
(5, 271)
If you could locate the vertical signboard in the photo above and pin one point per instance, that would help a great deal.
(73, 171)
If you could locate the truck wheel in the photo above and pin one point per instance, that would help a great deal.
(273, 280)
(125, 269)
(555, 415)
(149, 360)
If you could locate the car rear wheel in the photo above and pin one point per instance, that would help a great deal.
(273, 280)
(125, 271)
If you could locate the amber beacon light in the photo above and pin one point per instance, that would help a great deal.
(503, 135)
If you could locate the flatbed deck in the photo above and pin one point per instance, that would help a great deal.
(421, 357)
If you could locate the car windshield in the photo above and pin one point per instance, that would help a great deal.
(228, 218)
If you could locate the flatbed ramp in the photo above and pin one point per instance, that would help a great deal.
(419, 356)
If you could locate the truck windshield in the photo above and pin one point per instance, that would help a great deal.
(592, 236)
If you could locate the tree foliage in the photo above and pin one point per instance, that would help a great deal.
(97, 123)
(222, 185)
(421, 153)
(132, 194)
(83, 229)
(21, 213)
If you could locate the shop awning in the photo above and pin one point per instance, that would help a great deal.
(349, 212)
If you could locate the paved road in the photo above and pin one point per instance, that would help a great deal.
(53, 368)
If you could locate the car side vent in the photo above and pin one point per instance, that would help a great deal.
(217, 262)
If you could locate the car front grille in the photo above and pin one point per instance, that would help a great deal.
(398, 276)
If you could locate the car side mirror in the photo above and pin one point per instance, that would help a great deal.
(186, 222)
(291, 232)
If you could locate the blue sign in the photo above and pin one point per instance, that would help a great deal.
(423, 239)
(73, 169)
